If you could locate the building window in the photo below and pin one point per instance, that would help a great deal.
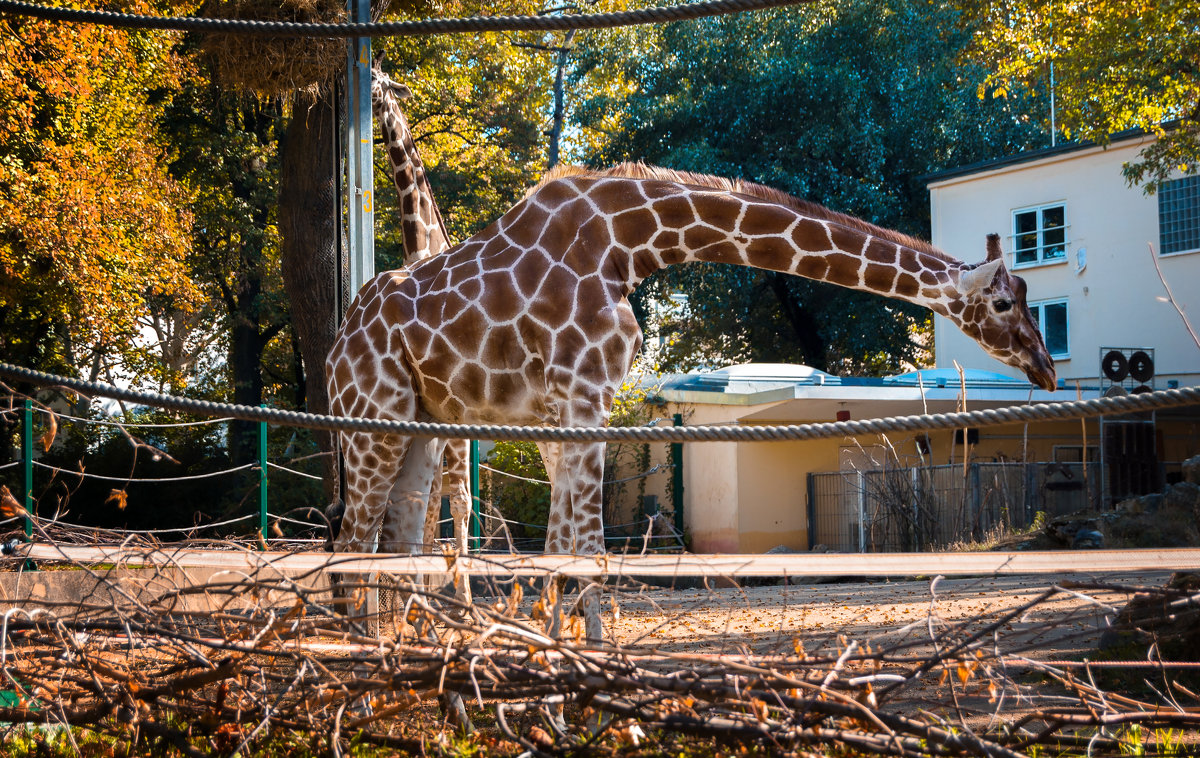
(1039, 235)
(1051, 318)
(1179, 216)
(1074, 454)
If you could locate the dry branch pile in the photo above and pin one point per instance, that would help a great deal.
(227, 659)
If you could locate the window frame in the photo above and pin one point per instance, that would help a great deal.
(1093, 454)
(1040, 231)
(1195, 179)
(1039, 309)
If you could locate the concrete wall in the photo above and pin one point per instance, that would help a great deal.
(1111, 302)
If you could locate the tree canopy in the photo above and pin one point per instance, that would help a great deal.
(93, 229)
(849, 103)
(1114, 65)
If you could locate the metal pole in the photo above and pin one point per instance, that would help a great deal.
(262, 483)
(677, 476)
(359, 148)
(476, 514)
(812, 509)
(27, 458)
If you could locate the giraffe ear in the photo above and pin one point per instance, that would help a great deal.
(979, 277)
(399, 90)
(994, 251)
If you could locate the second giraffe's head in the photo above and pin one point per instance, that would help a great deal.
(995, 314)
(381, 83)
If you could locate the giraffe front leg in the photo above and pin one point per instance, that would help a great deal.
(404, 521)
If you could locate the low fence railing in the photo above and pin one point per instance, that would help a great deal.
(932, 507)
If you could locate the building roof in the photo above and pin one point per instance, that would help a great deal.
(787, 393)
(1028, 156)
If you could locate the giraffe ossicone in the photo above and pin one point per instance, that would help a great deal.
(528, 322)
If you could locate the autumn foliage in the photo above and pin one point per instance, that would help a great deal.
(92, 227)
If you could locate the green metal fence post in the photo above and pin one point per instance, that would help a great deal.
(476, 515)
(27, 459)
(677, 477)
(262, 483)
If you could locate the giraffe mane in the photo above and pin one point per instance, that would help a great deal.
(638, 170)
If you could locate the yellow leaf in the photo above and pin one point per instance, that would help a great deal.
(9, 506)
(120, 497)
(47, 438)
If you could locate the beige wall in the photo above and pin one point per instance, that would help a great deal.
(1112, 302)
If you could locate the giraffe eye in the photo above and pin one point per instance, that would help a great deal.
(1002, 305)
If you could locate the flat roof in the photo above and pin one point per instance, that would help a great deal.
(1029, 156)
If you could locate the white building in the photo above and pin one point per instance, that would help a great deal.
(1081, 239)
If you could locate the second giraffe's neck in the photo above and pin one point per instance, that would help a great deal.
(420, 221)
(678, 223)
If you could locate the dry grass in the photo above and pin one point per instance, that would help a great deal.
(275, 66)
(970, 667)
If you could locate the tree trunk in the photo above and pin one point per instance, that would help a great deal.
(245, 368)
(806, 329)
(308, 226)
(556, 126)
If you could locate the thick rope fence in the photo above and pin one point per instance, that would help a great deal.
(1058, 411)
(562, 22)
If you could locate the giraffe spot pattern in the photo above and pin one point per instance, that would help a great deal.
(527, 323)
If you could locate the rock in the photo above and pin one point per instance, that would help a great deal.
(1182, 496)
(782, 550)
(1191, 470)
(1086, 539)
(1133, 506)
(1065, 529)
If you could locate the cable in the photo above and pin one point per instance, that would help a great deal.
(294, 472)
(135, 424)
(681, 12)
(1074, 409)
(648, 472)
(131, 480)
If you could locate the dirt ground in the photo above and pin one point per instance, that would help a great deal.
(903, 616)
(768, 618)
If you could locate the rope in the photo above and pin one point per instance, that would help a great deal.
(989, 417)
(294, 472)
(682, 12)
(136, 424)
(514, 476)
(648, 472)
(130, 480)
(167, 530)
(287, 520)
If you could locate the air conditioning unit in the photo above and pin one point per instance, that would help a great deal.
(1129, 443)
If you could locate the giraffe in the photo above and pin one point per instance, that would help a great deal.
(528, 321)
(424, 235)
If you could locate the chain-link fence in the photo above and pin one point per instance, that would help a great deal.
(931, 507)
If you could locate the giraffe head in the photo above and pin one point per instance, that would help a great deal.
(996, 315)
(381, 84)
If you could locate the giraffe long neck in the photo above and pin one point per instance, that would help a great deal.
(420, 220)
(680, 224)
